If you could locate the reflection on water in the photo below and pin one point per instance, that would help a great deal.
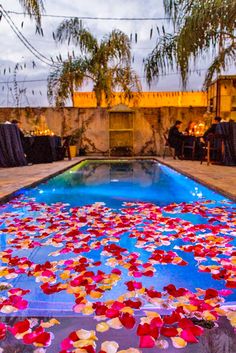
(115, 182)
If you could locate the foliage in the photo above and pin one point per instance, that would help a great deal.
(34, 8)
(199, 27)
(107, 64)
(64, 79)
(76, 136)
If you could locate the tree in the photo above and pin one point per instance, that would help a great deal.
(34, 8)
(64, 79)
(199, 27)
(107, 64)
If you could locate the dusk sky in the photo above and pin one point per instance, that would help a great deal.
(13, 51)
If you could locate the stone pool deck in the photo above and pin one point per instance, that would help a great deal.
(13, 179)
(220, 178)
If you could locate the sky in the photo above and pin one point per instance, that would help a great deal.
(32, 69)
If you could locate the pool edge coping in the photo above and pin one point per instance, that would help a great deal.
(11, 195)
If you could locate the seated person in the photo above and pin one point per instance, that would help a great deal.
(190, 129)
(212, 128)
(175, 138)
(209, 136)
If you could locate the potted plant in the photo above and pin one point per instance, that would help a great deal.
(75, 141)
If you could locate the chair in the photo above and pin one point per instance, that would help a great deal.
(189, 145)
(168, 147)
(214, 149)
(64, 150)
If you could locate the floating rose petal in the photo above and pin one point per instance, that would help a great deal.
(110, 347)
(127, 320)
(146, 342)
(178, 342)
(3, 331)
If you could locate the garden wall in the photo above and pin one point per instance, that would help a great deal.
(149, 124)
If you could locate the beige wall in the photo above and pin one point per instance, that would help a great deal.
(224, 104)
(149, 124)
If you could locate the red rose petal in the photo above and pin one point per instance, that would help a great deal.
(169, 331)
(188, 336)
(146, 342)
(127, 320)
(3, 331)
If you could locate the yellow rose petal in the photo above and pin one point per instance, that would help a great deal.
(84, 343)
(110, 347)
(178, 342)
(88, 310)
(50, 323)
(102, 327)
(115, 323)
(95, 295)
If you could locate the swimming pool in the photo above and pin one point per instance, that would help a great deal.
(117, 231)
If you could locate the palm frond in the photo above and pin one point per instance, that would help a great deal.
(73, 31)
(207, 22)
(127, 81)
(34, 8)
(64, 79)
(117, 46)
(208, 26)
(162, 59)
(221, 61)
(202, 27)
(107, 64)
(177, 10)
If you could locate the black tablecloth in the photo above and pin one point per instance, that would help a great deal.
(11, 150)
(42, 149)
(228, 131)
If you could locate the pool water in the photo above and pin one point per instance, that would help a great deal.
(105, 195)
(116, 182)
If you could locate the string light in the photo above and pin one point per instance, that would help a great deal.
(24, 40)
(141, 77)
(97, 18)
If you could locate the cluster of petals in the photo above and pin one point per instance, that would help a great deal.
(72, 235)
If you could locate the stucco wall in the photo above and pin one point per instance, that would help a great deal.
(149, 124)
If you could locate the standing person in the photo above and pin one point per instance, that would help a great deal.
(175, 138)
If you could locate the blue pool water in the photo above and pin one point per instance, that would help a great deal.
(116, 182)
(113, 183)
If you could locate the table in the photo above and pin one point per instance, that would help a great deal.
(189, 141)
(228, 131)
(11, 149)
(42, 149)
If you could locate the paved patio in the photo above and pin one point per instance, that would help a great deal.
(13, 179)
(220, 178)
